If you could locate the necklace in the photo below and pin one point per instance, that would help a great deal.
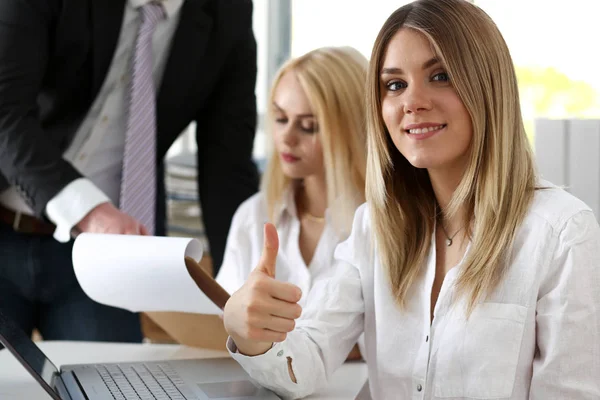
(313, 218)
(448, 237)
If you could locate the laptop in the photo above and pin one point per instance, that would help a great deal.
(202, 379)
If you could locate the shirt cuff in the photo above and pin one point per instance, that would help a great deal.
(71, 204)
(272, 359)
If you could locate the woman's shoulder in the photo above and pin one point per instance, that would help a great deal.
(362, 219)
(554, 206)
(359, 241)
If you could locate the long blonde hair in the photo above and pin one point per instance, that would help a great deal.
(498, 184)
(333, 79)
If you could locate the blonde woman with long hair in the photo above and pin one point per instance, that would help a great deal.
(470, 277)
(315, 177)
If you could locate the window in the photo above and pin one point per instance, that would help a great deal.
(552, 46)
(317, 23)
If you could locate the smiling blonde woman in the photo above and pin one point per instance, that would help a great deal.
(470, 277)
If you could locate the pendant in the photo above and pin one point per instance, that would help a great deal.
(448, 242)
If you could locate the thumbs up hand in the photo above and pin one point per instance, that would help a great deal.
(263, 310)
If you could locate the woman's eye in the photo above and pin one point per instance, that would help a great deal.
(442, 77)
(281, 120)
(396, 85)
(309, 129)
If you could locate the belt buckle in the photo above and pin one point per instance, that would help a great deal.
(17, 221)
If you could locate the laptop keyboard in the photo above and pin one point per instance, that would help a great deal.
(144, 382)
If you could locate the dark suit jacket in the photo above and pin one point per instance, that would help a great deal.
(54, 57)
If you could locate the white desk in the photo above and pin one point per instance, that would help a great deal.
(17, 384)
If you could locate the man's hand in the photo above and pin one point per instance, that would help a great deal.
(263, 310)
(106, 218)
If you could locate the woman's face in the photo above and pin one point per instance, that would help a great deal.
(295, 130)
(426, 119)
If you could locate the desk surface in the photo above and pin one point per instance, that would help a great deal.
(17, 384)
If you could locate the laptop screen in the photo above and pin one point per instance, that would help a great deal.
(28, 354)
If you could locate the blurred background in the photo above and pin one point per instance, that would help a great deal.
(553, 49)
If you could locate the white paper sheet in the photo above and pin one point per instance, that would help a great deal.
(140, 273)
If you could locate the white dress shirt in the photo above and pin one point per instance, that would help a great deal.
(97, 148)
(536, 337)
(245, 244)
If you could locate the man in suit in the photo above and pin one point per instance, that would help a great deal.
(92, 95)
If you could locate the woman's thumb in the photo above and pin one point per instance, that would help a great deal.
(270, 249)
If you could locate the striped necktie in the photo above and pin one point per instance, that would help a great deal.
(138, 180)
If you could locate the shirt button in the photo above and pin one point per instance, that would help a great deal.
(280, 353)
(82, 157)
(426, 339)
(104, 118)
(419, 387)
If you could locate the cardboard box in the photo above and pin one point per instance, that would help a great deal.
(195, 330)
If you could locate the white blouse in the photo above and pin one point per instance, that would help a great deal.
(245, 244)
(536, 337)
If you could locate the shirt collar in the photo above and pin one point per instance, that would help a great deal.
(288, 202)
(171, 6)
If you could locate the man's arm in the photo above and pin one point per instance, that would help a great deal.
(28, 158)
(225, 134)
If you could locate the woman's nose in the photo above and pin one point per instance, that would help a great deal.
(416, 99)
(289, 135)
